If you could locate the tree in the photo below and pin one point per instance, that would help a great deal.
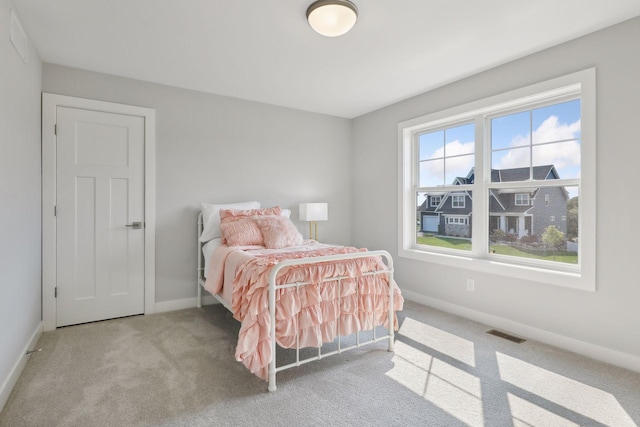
(553, 237)
(572, 218)
(497, 235)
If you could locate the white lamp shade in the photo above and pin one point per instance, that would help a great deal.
(332, 18)
(314, 211)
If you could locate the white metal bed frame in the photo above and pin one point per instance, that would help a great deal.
(273, 369)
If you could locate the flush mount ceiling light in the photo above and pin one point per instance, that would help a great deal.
(332, 18)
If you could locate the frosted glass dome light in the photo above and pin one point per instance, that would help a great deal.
(332, 18)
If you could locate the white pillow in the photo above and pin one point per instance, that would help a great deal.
(211, 217)
(208, 247)
(285, 212)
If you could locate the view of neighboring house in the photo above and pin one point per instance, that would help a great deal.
(522, 211)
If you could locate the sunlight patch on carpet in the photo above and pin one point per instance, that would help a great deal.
(447, 387)
(580, 398)
(439, 340)
(527, 414)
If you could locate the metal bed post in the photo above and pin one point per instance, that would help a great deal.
(391, 311)
(199, 252)
(272, 325)
(338, 323)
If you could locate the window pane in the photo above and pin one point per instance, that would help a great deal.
(555, 142)
(510, 131)
(431, 145)
(460, 140)
(557, 122)
(546, 228)
(564, 156)
(431, 173)
(449, 150)
(508, 160)
(447, 225)
(458, 167)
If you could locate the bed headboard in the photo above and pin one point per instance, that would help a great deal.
(200, 244)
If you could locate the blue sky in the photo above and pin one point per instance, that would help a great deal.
(548, 135)
(449, 150)
(544, 136)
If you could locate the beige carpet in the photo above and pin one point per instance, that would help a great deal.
(177, 369)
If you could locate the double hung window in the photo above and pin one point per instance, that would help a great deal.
(502, 170)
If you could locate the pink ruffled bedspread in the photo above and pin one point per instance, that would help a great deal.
(315, 310)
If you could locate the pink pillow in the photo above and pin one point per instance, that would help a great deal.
(243, 232)
(236, 214)
(278, 231)
(228, 216)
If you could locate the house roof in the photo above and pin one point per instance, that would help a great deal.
(513, 174)
(522, 174)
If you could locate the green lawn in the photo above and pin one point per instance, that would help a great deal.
(557, 256)
(465, 245)
(446, 242)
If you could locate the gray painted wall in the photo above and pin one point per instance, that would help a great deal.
(608, 317)
(218, 149)
(20, 270)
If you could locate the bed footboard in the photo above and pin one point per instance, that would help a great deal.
(273, 287)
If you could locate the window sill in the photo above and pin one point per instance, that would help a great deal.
(566, 279)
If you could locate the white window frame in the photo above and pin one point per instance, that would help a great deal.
(526, 202)
(431, 201)
(546, 200)
(460, 220)
(455, 201)
(581, 84)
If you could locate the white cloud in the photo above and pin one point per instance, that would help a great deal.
(563, 155)
(551, 130)
(454, 148)
(431, 173)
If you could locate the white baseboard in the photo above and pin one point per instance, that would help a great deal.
(180, 304)
(14, 374)
(594, 351)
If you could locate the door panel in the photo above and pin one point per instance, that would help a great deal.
(84, 251)
(100, 189)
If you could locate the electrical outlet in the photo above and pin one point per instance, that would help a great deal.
(471, 285)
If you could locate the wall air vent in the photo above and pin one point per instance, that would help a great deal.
(506, 336)
(18, 37)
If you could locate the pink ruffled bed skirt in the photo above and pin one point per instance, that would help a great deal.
(318, 312)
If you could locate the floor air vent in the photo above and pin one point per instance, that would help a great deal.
(506, 336)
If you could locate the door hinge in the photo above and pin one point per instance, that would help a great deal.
(55, 129)
(55, 292)
(55, 211)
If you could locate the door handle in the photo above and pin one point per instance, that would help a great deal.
(135, 225)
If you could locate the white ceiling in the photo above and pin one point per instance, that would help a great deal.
(264, 50)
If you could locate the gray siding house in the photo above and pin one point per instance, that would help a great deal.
(521, 212)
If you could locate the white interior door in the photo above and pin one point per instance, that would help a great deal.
(100, 195)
